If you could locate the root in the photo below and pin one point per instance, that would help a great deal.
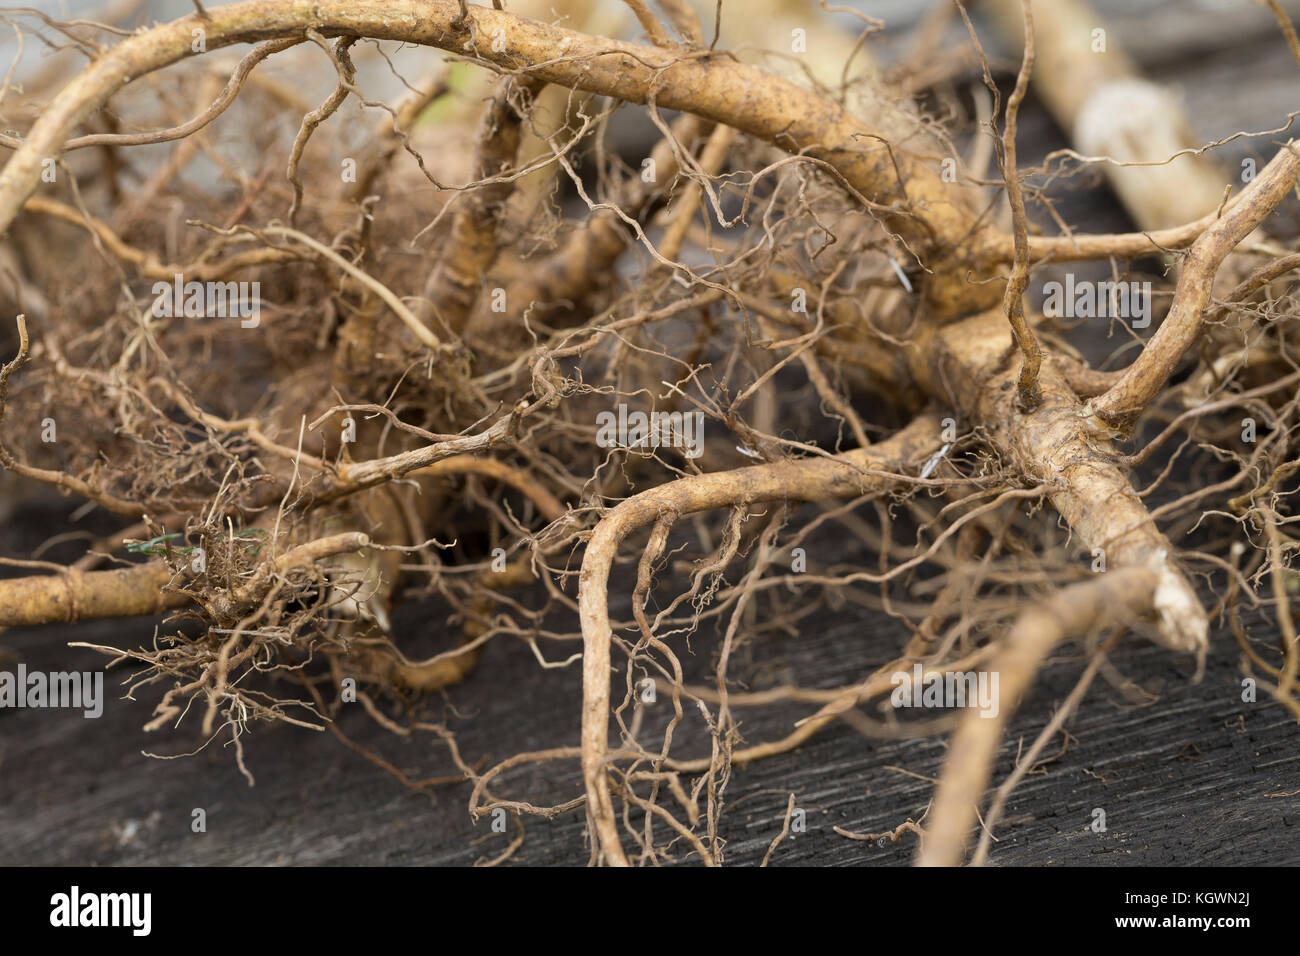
(1110, 601)
(875, 469)
(1055, 444)
(783, 341)
(1120, 406)
(74, 595)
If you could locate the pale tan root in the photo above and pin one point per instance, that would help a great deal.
(877, 468)
(1114, 598)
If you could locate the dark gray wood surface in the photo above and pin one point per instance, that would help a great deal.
(1196, 777)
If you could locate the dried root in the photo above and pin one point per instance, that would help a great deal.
(491, 354)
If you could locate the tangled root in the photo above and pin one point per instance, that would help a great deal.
(493, 358)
